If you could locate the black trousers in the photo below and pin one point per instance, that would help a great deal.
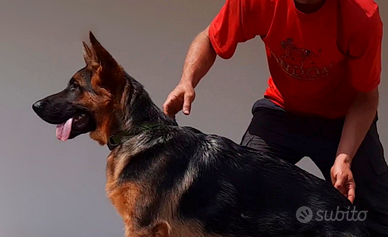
(292, 137)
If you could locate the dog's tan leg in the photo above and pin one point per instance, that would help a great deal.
(125, 197)
(161, 229)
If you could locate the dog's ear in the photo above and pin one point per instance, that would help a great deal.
(89, 56)
(102, 56)
(111, 75)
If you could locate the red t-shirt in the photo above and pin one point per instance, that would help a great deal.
(317, 61)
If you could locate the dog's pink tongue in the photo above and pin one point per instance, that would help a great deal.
(63, 130)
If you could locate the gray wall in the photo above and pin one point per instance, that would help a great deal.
(50, 188)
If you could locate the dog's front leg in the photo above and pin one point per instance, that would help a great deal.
(160, 229)
(126, 197)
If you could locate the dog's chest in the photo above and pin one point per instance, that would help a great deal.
(123, 196)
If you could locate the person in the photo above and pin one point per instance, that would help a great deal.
(324, 58)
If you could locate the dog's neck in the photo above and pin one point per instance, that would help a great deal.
(140, 108)
(139, 112)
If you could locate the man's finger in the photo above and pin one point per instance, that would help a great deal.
(339, 184)
(167, 107)
(351, 192)
(351, 195)
(333, 179)
(188, 99)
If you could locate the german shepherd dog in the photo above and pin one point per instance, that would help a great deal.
(169, 180)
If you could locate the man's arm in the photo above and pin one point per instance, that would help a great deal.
(357, 123)
(200, 58)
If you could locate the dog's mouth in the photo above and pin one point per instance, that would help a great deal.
(80, 123)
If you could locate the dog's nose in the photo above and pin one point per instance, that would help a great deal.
(37, 106)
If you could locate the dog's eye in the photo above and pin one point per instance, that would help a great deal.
(73, 85)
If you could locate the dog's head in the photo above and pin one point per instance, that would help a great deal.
(91, 100)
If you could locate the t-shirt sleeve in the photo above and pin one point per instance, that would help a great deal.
(365, 54)
(236, 22)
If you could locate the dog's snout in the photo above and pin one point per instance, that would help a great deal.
(37, 106)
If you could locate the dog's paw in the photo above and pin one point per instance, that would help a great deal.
(162, 229)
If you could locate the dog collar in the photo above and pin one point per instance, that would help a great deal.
(122, 136)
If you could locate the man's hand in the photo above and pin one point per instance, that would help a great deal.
(342, 177)
(180, 98)
(199, 60)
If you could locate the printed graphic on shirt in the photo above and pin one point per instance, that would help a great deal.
(300, 63)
